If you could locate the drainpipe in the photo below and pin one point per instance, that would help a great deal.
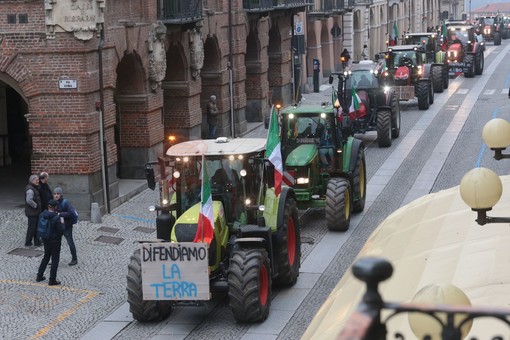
(102, 141)
(230, 67)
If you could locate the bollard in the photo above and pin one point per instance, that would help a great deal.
(95, 213)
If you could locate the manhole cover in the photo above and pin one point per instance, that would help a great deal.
(109, 230)
(307, 240)
(145, 230)
(109, 239)
(26, 252)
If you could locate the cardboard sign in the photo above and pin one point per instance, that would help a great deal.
(175, 271)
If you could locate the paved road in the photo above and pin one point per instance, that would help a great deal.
(435, 149)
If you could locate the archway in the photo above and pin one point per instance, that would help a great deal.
(213, 84)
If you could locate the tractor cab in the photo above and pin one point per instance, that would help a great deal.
(427, 40)
(404, 63)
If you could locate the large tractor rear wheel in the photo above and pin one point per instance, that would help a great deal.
(395, 117)
(249, 285)
(288, 252)
(437, 76)
(423, 93)
(359, 182)
(470, 59)
(497, 38)
(143, 310)
(338, 204)
(384, 128)
(479, 64)
(431, 93)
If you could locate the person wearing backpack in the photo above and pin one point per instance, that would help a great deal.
(70, 216)
(51, 229)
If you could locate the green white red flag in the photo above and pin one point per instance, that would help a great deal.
(205, 228)
(273, 151)
(395, 32)
(355, 103)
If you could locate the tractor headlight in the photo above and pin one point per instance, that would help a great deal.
(386, 89)
(262, 207)
(152, 208)
(303, 180)
(165, 201)
(247, 201)
(177, 174)
(242, 173)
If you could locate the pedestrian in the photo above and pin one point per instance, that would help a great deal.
(32, 210)
(212, 116)
(364, 53)
(44, 189)
(66, 210)
(52, 244)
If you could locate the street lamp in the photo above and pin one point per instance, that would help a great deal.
(496, 134)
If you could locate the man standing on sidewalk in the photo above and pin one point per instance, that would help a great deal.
(32, 210)
(66, 210)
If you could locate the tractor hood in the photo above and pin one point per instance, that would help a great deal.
(190, 216)
(185, 228)
(302, 155)
(402, 72)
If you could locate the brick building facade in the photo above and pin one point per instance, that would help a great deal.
(90, 88)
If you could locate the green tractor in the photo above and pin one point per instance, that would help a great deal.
(256, 235)
(323, 162)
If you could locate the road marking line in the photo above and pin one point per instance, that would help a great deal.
(462, 91)
(489, 92)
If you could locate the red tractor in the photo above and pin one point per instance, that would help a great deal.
(491, 27)
(464, 51)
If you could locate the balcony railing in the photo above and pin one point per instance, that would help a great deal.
(327, 7)
(179, 11)
(363, 2)
(258, 5)
(286, 4)
(366, 322)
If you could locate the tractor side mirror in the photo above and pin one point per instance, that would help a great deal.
(376, 57)
(149, 175)
(330, 79)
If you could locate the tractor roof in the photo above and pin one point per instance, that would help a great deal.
(422, 34)
(308, 109)
(460, 27)
(217, 147)
(398, 48)
(363, 65)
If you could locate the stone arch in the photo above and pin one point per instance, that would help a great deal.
(15, 140)
(213, 84)
(135, 137)
(257, 84)
(326, 50)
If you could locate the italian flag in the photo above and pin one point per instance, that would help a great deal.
(273, 151)
(395, 32)
(357, 108)
(205, 229)
(444, 33)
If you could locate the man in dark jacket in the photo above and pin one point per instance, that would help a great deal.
(66, 211)
(44, 189)
(52, 244)
(32, 210)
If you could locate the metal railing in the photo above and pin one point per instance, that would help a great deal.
(366, 322)
(179, 11)
(258, 5)
(291, 3)
(327, 7)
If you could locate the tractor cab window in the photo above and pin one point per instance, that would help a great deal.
(462, 36)
(299, 130)
(487, 21)
(361, 79)
(403, 58)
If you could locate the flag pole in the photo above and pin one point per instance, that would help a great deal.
(202, 194)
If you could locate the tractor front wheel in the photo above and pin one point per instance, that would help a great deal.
(470, 60)
(143, 310)
(360, 182)
(437, 76)
(288, 251)
(497, 38)
(338, 204)
(423, 93)
(384, 128)
(479, 64)
(249, 285)
(395, 117)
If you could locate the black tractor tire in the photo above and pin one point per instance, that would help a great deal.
(497, 38)
(431, 94)
(446, 76)
(384, 128)
(470, 59)
(395, 117)
(359, 180)
(143, 310)
(249, 285)
(288, 252)
(338, 204)
(423, 93)
(437, 76)
(479, 64)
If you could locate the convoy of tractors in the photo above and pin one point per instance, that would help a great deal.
(255, 242)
